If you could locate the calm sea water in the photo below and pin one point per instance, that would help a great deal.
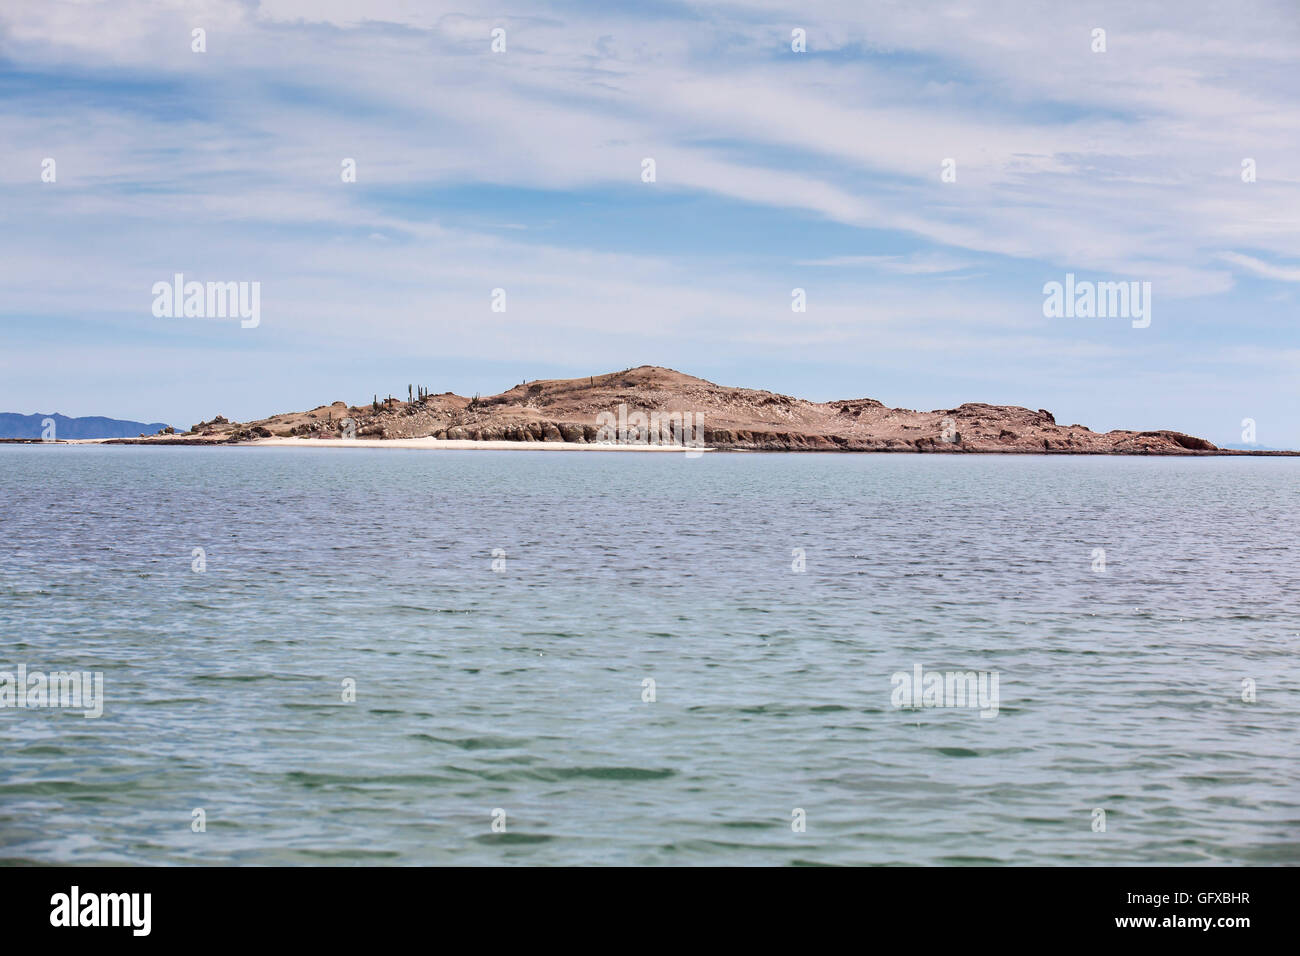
(521, 689)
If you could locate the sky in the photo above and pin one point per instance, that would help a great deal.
(920, 171)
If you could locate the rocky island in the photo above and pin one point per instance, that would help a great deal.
(578, 412)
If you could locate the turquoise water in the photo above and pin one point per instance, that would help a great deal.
(521, 689)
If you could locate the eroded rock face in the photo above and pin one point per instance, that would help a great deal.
(581, 410)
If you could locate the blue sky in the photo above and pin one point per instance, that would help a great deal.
(774, 170)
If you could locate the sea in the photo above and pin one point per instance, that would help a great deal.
(425, 657)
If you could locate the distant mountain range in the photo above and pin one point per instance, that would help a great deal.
(13, 425)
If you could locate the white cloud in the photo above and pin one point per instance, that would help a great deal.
(1260, 268)
(916, 264)
(1121, 164)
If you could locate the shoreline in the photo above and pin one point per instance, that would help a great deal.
(444, 444)
(433, 444)
(459, 444)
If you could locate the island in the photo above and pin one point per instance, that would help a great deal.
(654, 408)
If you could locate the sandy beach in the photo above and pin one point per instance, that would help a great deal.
(464, 445)
(442, 444)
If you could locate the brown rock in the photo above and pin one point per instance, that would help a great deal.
(732, 418)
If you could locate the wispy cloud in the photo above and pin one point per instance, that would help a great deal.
(926, 264)
(521, 170)
(1266, 270)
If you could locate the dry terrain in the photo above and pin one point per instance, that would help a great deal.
(568, 411)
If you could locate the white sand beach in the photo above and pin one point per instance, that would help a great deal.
(465, 445)
(434, 443)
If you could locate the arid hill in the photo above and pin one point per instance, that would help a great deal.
(570, 410)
